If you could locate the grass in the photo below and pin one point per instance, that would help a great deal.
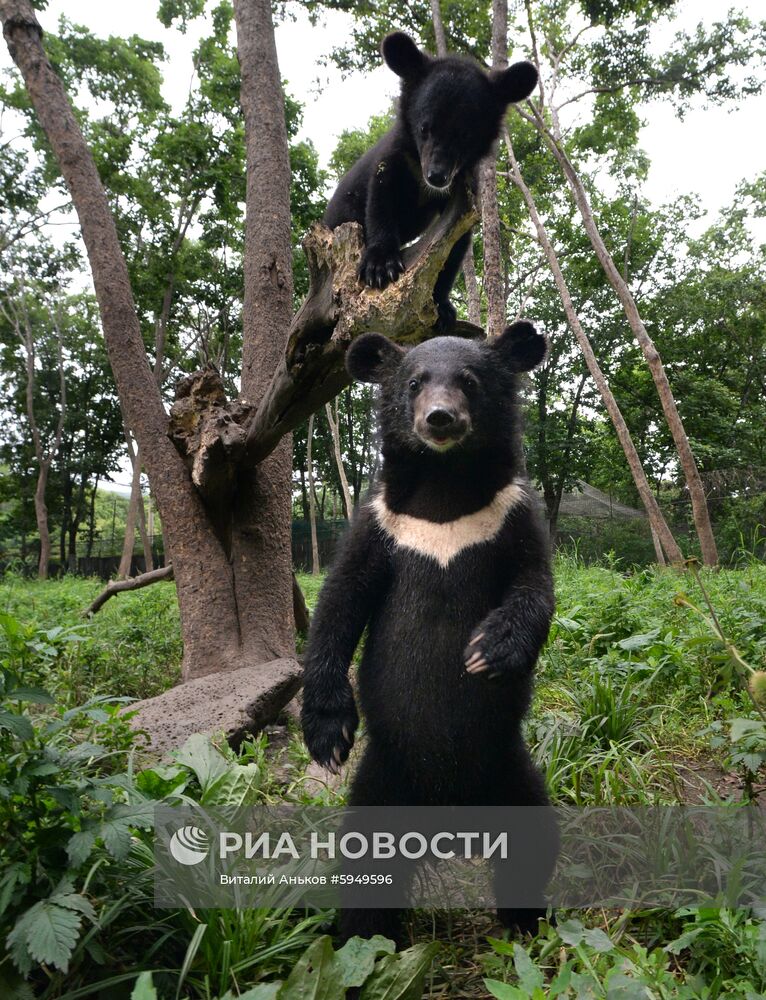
(638, 701)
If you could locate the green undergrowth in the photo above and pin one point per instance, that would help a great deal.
(642, 697)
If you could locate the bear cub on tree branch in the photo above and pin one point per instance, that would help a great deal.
(449, 115)
(447, 564)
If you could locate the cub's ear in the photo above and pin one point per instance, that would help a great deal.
(520, 347)
(515, 83)
(371, 357)
(403, 56)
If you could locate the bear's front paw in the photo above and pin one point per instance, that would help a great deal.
(447, 316)
(491, 653)
(329, 732)
(380, 265)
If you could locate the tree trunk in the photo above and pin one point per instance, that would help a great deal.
(261, 545)
(130, 523)
(208, 612)
(571, 426)
(653, 511)
(335, 432)
(312, 502)
(92, 519)
(494, 286)
(225, 500)
(653, 359)
(469, 266)
(41, 516)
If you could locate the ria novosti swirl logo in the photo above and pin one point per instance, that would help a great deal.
(189, 845)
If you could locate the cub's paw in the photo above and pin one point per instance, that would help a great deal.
(447, 316)
(329, 731)
(380, 265)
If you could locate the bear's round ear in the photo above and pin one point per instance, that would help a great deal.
(515, 83)
(520, 347)
(403, 56)
(371, 356)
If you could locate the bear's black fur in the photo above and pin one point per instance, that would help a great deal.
(450, 113)
(458, 606)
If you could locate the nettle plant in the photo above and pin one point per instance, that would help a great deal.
(62, 792)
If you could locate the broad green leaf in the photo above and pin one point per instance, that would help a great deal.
(571, 932)
(19, 725)
(117, 826)
(401, 976)
(356, 959)
(316, 975)
(504, 991)
(622, 987)
(596, 939)
(36, 696)
(530, 977)
(48, 933)
(238, 786)
(201, 757)
(79, 847)
(264, 991)
(639, 641)
(144, 988)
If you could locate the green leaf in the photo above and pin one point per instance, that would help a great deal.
(201, 757)
(400, 977)
(639, 641)
(17, 724)
(118, 824)
(36, 696)
(356, 959)
(79, 847)
(622, 987)
(596, 939)
(504, 991)
(144, 988)
(264, 991)
(571, 932)
(530, 977)
(315, 976)
(238, 786)
(48, 932)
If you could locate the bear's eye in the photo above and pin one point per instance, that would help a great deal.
(414, 384)
(424, 129)
(468, 383)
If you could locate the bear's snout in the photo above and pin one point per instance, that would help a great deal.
(441, 419)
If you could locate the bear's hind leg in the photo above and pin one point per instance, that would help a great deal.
(378, 781)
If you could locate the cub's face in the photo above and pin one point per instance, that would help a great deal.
(453, 118)
(447, 393)
(452, 108)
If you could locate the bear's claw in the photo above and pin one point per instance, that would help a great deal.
(380, 266)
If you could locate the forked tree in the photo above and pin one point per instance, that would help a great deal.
(220, 469)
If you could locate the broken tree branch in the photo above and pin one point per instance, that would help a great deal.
(135, 583)
(215, 436)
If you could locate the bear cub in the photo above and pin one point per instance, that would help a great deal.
(447, 565)
(449, 115)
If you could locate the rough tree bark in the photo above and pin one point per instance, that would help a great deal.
(494, 285)
(472, 293)
(261, 554)
(656, 519)
(553, 137)
(220, 475)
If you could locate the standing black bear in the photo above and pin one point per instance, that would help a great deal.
(449, 115)
(448, 565)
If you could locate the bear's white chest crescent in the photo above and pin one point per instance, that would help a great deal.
(443, 542)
